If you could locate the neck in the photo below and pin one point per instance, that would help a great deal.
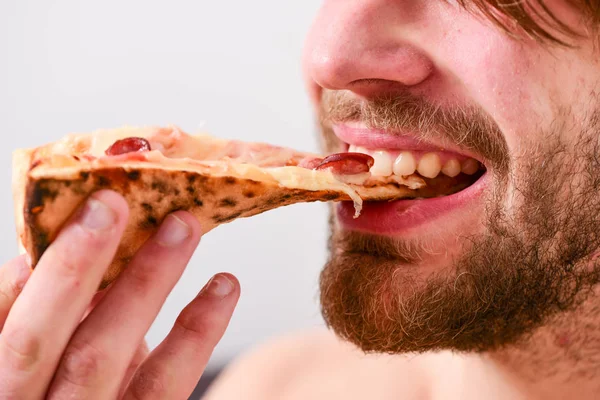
(560, 360)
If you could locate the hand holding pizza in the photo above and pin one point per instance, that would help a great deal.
(53, 344)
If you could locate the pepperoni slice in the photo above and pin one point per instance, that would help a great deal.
(347, 163)
(128, 145)
(310, 162)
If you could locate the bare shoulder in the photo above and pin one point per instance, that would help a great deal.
(313, 364)
(266, 370)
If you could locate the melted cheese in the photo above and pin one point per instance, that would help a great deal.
(174, 149)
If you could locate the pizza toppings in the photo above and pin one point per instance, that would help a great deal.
(347, 163)
(340, 163)
(128, 145)
(172, 148)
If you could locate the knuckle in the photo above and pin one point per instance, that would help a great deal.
(194, 325)
(73, 261)
(147, 382)
(20, 349)
(67, 262)
(74, 255)
(141, 277)
(82, 363)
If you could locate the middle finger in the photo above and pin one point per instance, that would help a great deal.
(97, 358)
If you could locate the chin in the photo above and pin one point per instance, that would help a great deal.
(494, 248)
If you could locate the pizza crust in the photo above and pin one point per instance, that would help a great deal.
(51, 182)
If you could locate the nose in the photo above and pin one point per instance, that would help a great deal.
(365, 46)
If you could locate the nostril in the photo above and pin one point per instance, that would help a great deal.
(330, 72)
(371, 88)
(369, 72)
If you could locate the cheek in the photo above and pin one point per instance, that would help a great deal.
(498, 74)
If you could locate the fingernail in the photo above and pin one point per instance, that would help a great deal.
(97, 216)
(173, 231)
(219, 286)
(28, 260)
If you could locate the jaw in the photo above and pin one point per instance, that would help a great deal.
(410, 235)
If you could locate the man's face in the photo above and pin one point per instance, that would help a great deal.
(428, 81)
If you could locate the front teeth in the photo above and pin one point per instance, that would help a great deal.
(429, 165)
(383, 163)
(405, 164)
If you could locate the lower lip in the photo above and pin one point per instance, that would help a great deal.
(401, 216)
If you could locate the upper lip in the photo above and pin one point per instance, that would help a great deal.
(359, 135)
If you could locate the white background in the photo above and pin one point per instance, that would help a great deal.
(75, 66)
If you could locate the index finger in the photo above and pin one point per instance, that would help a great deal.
(60, 288)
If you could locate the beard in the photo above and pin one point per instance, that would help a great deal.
(533, 260)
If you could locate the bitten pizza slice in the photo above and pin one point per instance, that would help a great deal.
(162, 170)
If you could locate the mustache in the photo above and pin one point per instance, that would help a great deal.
(467, 126)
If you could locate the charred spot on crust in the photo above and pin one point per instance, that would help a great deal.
(195, 178)
(205, 186)
(198, 202)
(227, 202)
(149, 222)
(147, 207)
(133, 175)
(102, 181)
(217, 217)
(251, 210)
(271, 202)
(84, 175)
(40, 193)
(233, 216)
(249, 194)
(37, 193)
(41, 243)
(190, 189)
(160, 186)
(230, 180)
(331, 196)
(78, 188)
(220, 219)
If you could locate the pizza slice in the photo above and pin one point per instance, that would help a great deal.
(162, 170)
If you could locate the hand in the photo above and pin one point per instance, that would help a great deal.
(54, 343)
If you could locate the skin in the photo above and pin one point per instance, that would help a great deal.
(539, 98)
(61, 339)
(543, 100)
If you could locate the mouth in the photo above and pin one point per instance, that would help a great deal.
(454, 178)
